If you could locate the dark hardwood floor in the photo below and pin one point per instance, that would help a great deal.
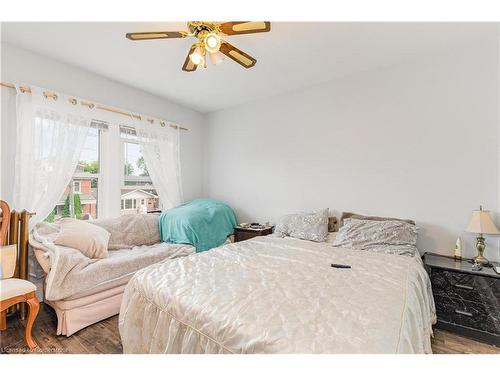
(100, 338)
(103, 337)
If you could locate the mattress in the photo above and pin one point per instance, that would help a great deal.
(279, 295)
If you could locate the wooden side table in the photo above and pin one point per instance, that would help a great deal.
(242, 234)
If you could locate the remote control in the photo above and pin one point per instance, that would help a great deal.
(334, 265)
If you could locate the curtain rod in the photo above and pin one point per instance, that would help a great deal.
(48, 94)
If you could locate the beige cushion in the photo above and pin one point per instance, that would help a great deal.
(15, 287)
(89, 239)
(8, 255)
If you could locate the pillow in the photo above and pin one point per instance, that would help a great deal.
(305, 226)
(128, 231)
(351, 215)
(388, 236)
(89, 239)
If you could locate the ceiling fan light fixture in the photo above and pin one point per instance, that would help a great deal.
(208, 41)
(212, 42)
(197, 56)
(216, 57)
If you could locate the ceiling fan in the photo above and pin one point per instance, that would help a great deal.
(210, 41)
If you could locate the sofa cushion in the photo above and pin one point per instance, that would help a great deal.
(91, 240)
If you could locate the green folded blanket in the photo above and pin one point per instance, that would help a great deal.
(203, 223)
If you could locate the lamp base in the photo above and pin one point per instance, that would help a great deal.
(480, 246)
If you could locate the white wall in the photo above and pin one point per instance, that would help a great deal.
(24, 66)
(418, 141)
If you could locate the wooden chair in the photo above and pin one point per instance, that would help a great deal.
(12, 290)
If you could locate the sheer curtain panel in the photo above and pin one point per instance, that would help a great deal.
(51, 132)
(161, 150)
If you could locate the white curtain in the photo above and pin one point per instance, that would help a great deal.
(51, 133)
(161, 150)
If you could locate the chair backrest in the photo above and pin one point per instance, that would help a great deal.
(8, 254)
(8, 257)
(4, 222)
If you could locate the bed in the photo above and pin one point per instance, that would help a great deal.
(279, 295)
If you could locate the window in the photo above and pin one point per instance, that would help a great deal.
(80, 197)
(137, 190)
(129, 204)
(122, 156)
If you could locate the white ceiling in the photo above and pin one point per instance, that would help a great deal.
(293, 55)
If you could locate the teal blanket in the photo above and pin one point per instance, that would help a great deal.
(203, 223)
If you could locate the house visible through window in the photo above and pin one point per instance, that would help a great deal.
(138, 193)
(80, 197)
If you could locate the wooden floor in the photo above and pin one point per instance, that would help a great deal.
(103, 337)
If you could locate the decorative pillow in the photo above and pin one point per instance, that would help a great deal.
(89, 239)
(352, 215)
(305, 226)
(388, 236)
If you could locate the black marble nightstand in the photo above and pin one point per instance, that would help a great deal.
(467, 302)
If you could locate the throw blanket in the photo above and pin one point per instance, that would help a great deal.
(71, 272)
(203, 223)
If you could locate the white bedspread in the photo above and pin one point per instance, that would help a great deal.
(274, 295)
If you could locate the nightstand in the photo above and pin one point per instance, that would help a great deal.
(242, 234)
(467, 302)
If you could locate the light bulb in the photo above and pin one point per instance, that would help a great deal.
(197, 56)
(212, 42)
(216, 58)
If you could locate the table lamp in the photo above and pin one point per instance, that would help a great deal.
(481, 223)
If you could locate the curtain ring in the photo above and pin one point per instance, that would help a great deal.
(47, 95)
(91, 106)
(151, 121)
(162, 123)
(72, 101)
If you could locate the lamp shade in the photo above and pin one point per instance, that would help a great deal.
(482, 223)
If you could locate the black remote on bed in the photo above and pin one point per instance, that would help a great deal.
(334, 265)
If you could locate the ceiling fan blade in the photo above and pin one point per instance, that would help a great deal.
(245, 27)
(156, 35)
(242, 58)
(189, 66)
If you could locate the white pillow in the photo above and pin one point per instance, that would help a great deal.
(89, 239)
(305, 226)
